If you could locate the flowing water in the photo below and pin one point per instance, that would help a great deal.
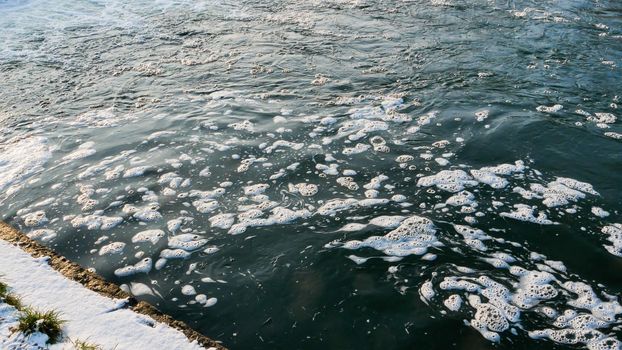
(427, 174)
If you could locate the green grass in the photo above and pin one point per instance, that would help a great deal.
(32, 320)
(9, 298)
(4, 289)
(48, 322)
(83, 345)
(13, 300)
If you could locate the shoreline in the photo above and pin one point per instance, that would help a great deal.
(94, 283)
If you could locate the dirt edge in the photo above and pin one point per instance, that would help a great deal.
(97, 284)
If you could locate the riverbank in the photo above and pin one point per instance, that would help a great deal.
(93, 309)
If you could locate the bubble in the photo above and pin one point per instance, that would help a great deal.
(600, 212)
(550, 109)
(305, 189)
(453, 302)
(188, 290)
(152, 236)
(426, 291)
(143, 266)
(524, 212)
(448, 180)
(84, 150)
(112, 248)
(174, 254)
(96, 222)
(188, 242)
(359, 148)
(134, 172)
(20, 160)
(35, 219)
(44, 235)
(223, 221)
(614, 235)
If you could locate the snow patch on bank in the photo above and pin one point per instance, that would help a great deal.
(89, 315)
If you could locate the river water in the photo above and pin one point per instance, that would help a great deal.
(328, 174)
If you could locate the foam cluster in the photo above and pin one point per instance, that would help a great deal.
(502, 303)
(414, 236)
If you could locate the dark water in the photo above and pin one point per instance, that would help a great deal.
(456, 85)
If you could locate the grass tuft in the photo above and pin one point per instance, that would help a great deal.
(84, 345)
(9, 298)
(48, 323)
(13, 300)
(4, 289)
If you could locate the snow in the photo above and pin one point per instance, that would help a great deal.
(90, 316)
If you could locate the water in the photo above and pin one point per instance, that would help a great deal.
(93, 91)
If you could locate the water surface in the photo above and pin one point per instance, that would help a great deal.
(269, 140)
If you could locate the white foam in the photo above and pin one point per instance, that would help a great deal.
(550, 109)
(89, 316)
(104, 165)
(305, 189)
(187, 242)
(35, 219)
(482, 115)
(473, 237)
(360, 128)
(489, 178)
(245, 125)
(602, 118)
(152, 236)
(330, 169)
(44, 235)
(148, 214)
(399, 198)
(386, 221)
(20, 160)
(453, 302)
(205, 206)
(159, 134)
(223, 221)
(353, 227)
(614, 135)
(211, 250)
(414, 236)
(600, 212)
(175, 224)
(376, 182)
(524, 212)
(174, 254)
(333, 206)
(188, 290)
(347, 182)
(462, 198)
(448, 180)
(96, 222)
(404, 158)
(614, 235)
(143, 266)
(255, 189)
(283, 143)
(136, 171)
(441, 161)
(84, 150)
(210, 302)
(426, 291)
(112, 248)
(358, 148)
